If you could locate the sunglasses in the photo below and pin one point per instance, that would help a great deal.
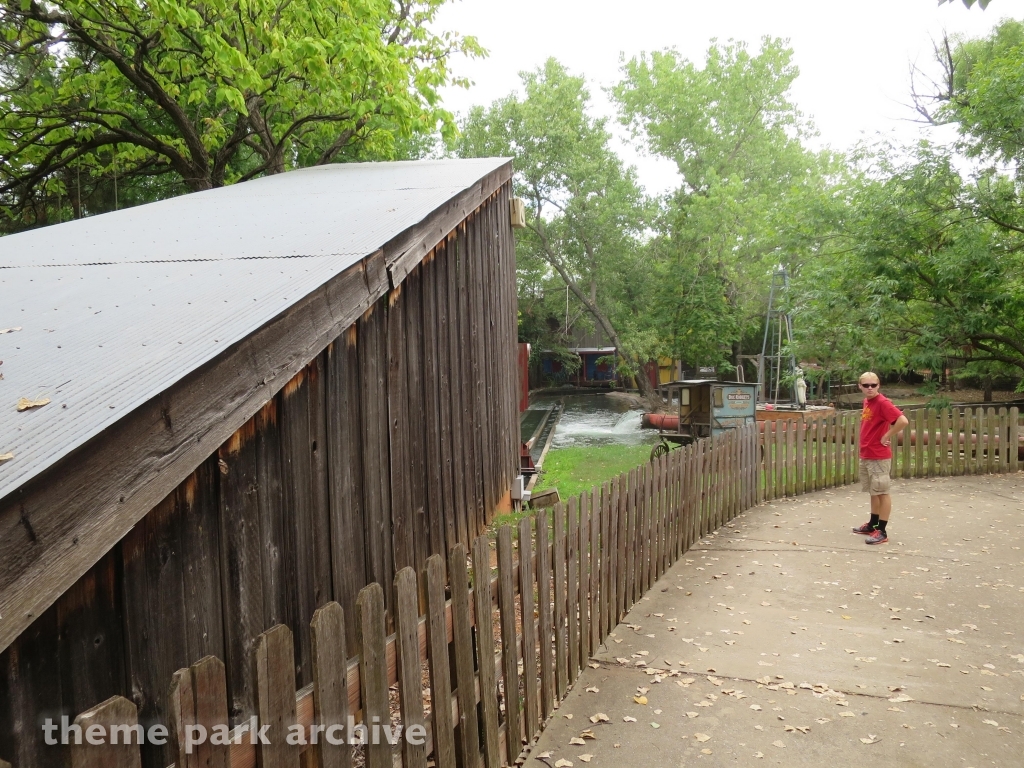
(869, 386)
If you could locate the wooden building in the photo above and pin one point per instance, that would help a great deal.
(261, 398)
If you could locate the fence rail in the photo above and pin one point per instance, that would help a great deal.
(505, 632)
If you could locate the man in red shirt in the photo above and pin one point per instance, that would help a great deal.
(880, 420)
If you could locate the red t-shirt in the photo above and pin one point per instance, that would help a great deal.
(878, 416)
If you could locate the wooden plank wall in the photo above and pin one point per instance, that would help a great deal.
(394, 444)
(818, 452)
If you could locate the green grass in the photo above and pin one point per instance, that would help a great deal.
(575, 470)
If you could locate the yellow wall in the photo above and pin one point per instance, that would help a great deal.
(666, 370)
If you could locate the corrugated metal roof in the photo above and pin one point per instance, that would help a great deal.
(116, 308)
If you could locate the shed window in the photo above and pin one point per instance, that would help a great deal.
(684, 396)
(719, 399)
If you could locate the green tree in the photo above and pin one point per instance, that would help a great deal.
(585, 210)
(913, 277)
(729, 125)
(169, 95)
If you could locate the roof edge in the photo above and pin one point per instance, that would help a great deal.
(403, 252)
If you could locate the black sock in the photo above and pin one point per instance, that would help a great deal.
(881, 525)
(874, 521)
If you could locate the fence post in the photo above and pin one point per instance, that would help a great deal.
(509, 656)
(756, 458)
(485, 647)
(274, 658)
(585, 565)
(440, 671)
(1004, 441)
(595, 568)
(933, 443)
(1014, 439)
(760, 458)
(330, 681)
(907, 431)
(546, 623)
(114, 711)
(465, 669)
(993, 427)
(957, 464)
(560, 640)
(657, 510)
(373, 670)
(621, 603)
(410, 675)
(572, 589)
(945, 442)
(526, 586)
(629, 563)
(198, 697)
(921, 466)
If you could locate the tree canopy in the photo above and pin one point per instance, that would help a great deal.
(734, 134)
(586, 211)
(169, 96)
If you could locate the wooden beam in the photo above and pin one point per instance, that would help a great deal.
(61, 523)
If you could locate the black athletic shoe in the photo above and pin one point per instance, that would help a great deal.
(876, 537)
(865, 529)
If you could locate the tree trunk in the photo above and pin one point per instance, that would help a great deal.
(643, 383)
(987, 390)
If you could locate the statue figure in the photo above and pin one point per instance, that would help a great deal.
(801, 388)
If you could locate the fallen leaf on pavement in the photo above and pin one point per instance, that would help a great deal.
(600, 717)
(779, 744)
(871, 739)
(640, 699)
(577, 740)
(593, 689)
(585, 758)
(628, 719)
(701, 737)
(563, 763)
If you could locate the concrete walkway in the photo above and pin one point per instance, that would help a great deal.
(785, 640)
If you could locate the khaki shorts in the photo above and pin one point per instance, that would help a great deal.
(874, 476)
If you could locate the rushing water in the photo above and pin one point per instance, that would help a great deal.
(592, 420)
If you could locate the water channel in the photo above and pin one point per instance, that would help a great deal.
(588, 420)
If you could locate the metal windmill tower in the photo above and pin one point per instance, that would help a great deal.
(777, 368)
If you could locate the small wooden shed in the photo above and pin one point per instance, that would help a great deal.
(261, 398)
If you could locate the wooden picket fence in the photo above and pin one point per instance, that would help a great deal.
(485, 644)
(822, 451)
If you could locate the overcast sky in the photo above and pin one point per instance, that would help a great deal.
(854, 56)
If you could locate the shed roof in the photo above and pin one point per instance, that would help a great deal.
(116, 308)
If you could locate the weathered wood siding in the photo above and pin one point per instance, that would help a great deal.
(396, 442)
